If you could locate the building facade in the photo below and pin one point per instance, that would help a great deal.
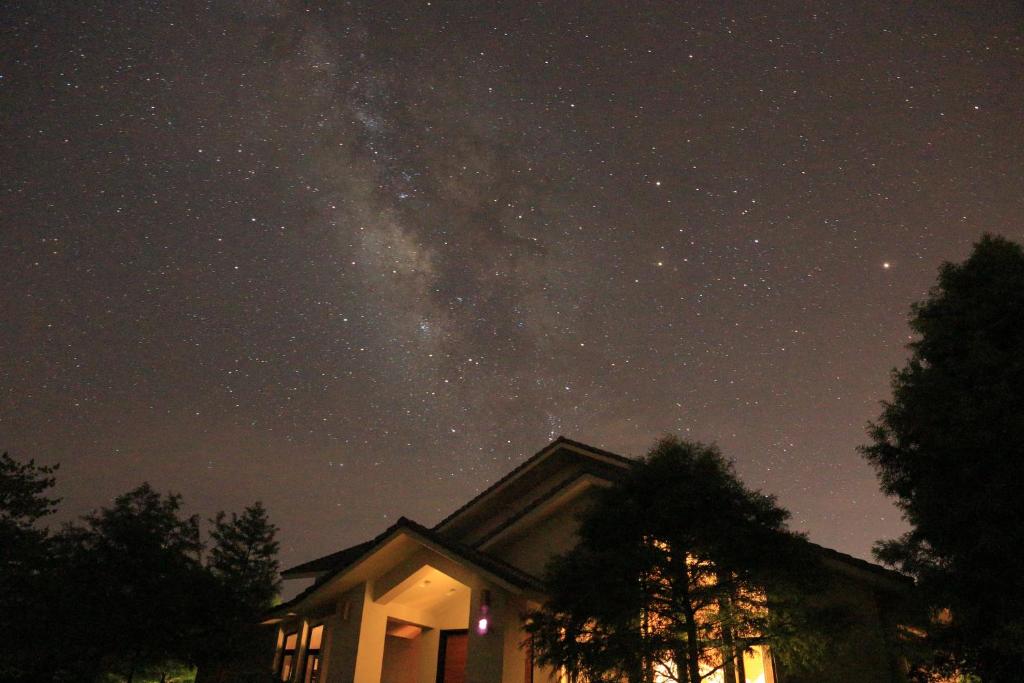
(445, 604)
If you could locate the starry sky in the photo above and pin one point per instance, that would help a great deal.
(358, 260)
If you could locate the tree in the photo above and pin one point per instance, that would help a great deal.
(243, 561)
(949, 447)
(133, 586)
(23, 502)
(24, 562)
(22, 498)
(124, 593)
(679, 570)
(244, 557)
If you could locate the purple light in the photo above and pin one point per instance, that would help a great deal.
(485, 611)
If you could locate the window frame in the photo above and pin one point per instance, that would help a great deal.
(314, 652)
(285, 653)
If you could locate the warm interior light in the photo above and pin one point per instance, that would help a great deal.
(757, 663)
(481, 626)
(316, 637)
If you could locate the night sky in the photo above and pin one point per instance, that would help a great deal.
(359, 260)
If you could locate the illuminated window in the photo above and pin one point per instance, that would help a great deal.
(757, 662)
(313, 665)
(757, 668)
(757, 665)
(291, 643)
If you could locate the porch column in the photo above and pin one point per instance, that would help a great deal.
(373, 626)
(486, 652)
(342, 633)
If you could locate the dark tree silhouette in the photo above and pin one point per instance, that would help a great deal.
(23, 499)
(949, 447)
(134, 583)
(24, 564)
(124, 593)
(243, 561)
(244, 557)
(679, 570)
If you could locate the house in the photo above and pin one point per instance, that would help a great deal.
(443, 604)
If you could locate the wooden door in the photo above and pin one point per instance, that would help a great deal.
(451, 657)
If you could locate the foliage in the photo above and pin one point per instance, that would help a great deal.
(159, 672)
(125, 592)
(244, 556)
(22, 493)
(141, 562)
(23, 502)
(243, 561)
(24, 557)
(949, 447)
(677, 564)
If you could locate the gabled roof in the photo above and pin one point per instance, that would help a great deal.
(547, 497)
(501, 569)
(504, 572)
(320, 565)
(329, 566)
(528, 464)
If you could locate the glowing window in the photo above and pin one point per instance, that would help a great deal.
(757, 664)
(316, 637)
(313, 662)
(291, 642)
(757, 668)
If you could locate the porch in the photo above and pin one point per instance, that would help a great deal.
(413, 609)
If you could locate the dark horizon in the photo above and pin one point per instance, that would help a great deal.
(358, 262)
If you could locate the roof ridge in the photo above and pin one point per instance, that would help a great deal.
(526, 463)
(328, 561)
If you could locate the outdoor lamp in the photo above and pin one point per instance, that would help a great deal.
(485, 608)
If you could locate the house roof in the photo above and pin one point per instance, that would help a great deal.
(528, 463)
(314, 568)
(329, 566)
(499, 569)
(550, 494)
(343, 557)
(863, 565)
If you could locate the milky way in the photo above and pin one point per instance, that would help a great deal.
(358, 261)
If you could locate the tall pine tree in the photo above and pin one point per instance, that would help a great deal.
(244, 556)
(949, 447)
(243, 562)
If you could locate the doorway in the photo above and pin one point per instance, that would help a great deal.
(451, 656)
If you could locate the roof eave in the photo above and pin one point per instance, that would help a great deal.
(419, 533)
(525, 466)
